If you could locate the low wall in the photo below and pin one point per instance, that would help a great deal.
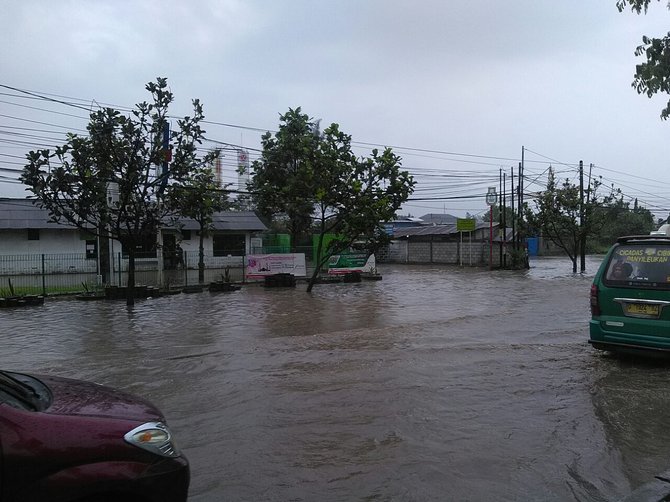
(474, 254)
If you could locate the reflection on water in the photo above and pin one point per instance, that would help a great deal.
(432, 384)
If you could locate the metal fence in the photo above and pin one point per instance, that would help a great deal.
(75, 272)
(47, 273)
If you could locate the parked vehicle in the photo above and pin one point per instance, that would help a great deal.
(630, 295)
(69, 440)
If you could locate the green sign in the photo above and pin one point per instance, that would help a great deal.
(465, 224)
(353, 260)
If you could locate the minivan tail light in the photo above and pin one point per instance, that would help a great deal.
(595, 304)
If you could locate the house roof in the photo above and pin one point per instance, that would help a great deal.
(439, 218)
(434, 230)
(229, 220)
(19, 214)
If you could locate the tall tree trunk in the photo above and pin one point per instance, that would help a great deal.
(130, 290)
(103, 243)
(319, 261)
(201, 257)
(103, 250)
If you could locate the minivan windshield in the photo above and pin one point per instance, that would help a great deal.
(641, 264)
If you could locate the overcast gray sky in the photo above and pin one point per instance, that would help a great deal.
(457, 88)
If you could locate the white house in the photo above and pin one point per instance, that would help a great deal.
(25, 229)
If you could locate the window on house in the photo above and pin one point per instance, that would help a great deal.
(229, 244)
(186, 235)
(33, 234)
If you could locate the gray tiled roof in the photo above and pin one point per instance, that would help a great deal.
(434, 230)
(229, 220)
(17, 214)
(439, 218)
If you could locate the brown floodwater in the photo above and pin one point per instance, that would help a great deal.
(434, 384)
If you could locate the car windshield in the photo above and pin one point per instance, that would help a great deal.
(644, 264)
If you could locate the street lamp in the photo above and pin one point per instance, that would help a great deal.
(491, 201)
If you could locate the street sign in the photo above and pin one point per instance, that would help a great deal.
(491, 196)
(466, 224)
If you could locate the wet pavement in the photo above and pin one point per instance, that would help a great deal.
(434, 384)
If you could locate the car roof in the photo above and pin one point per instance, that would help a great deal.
(665, 239)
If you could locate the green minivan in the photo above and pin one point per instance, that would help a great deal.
(630, 295)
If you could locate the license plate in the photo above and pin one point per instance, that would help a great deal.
(642, 309)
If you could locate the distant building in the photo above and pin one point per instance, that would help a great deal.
(25, 229)
(439, 219)
(443, 243)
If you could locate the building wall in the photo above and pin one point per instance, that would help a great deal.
(397, 252)
(474, 254)
(51, 241)
(20, 255)
(445, 252)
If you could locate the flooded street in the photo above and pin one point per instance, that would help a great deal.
(434, 384)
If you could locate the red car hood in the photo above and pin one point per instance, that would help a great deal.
(76, 397)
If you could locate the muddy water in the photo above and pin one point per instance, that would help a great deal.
(434, 384)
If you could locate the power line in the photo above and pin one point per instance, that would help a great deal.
(41, 96)
(425, 176)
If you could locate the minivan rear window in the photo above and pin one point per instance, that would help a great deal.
(639, 265)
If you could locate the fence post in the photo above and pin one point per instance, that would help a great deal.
(119, 261)
(44, 283)
(185, 269)
(244, 267)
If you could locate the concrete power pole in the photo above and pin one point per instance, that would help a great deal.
(582, 222)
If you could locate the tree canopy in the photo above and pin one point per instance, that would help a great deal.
(565, 216)
(112, 182)
(317, 181)
(653, 76)
(617, 219)
(198, 197)
(283, 177)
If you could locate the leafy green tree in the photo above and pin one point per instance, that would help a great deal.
(282, 181)
(323, 184)
(557, 214)
(498, 215)
(653, 76)
(618, 219)
(108, 182)
(353, 196)
(199, 197)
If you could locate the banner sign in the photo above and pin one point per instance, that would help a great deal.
(261, 265)
(351, 262)
(465, 224)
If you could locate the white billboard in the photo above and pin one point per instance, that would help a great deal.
(261, 265)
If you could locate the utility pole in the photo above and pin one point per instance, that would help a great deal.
(520, 197)
(504, 209)
(582, 223)
(501, 216)
(491, 199)
(513, 212)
